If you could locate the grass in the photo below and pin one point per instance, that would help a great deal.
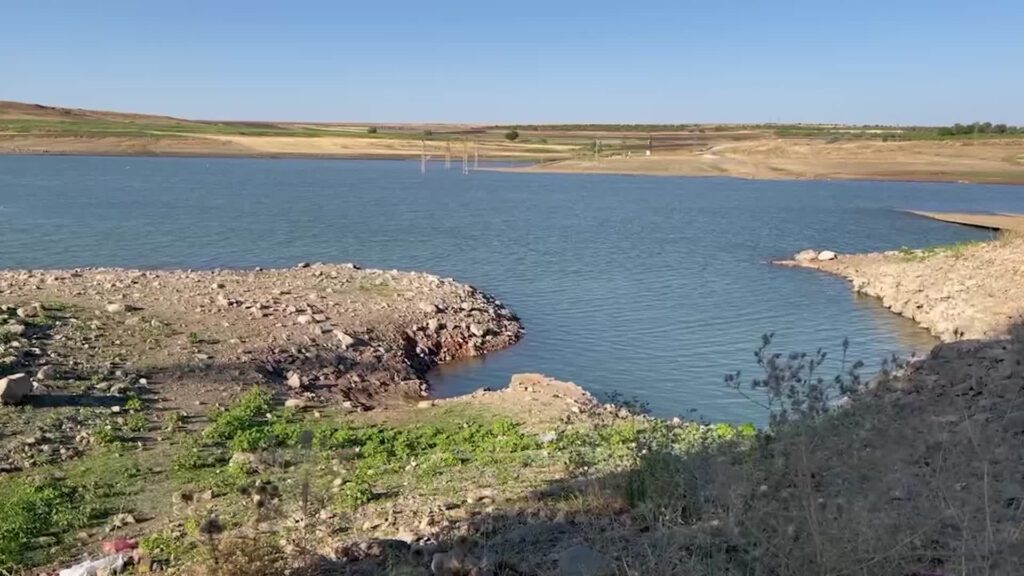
(956, 250)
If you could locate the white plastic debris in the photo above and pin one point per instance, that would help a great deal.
(113, 564)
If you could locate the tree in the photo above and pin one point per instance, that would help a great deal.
(512, 135)
(959, 128)
(999, 129)
(946, 131)
(371, 130)
(985, 127)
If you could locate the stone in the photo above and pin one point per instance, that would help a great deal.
(28, 312)
(121, 520)
(14, 388)
(297, 403)
(806, 256)
(348, 341)
(826, 255)
(14, 329)
(304, 319)
(433, 325)
(477, 330)
(244, 460)
(428, 307)
(294, 380)
(46, 373)
(424, 403)
(116, 308)
(217, 285)
(582, 561)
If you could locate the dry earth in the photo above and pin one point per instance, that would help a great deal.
(769, 158)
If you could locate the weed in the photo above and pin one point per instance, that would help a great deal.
(134, 404)
(166, 548)
(107, 434)
(137, 423)
(32, 508)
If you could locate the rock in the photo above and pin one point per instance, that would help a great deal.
(826, 255)
(424, 403)
(582, 561)
(297, 403)
(243, 460)
(294, 380)
(121, 520)
(28, 312)
(14, 388)
(433, 325)
(116, 308)
(302, 265)
(477, 330)
(14, 329)
(304, 319)
(806, 256)
(348, 341)
(428, 307)
(217, 285)
(46, 373)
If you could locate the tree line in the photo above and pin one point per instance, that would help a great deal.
(979, 128)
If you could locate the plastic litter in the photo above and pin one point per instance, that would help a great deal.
(113, 564)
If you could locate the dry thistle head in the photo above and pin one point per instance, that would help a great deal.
(211, 526)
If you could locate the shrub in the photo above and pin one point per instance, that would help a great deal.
(371, 130)
(512, 135)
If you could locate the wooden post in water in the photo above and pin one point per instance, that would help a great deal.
(476, 155)
(423, 156)
(448, 156)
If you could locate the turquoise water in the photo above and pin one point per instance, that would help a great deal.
(651, 286)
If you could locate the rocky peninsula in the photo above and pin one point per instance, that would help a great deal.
(964, 291)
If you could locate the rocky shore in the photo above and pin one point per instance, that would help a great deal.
(316, 334)
(963, 291)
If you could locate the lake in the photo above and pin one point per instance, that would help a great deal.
(651, 286)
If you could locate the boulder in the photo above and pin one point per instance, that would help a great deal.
(116, 308)
(826, 255)
(297, 403)
(806, 256)
(14, 388)
(46, 373)
(294, 380)
(477, 330)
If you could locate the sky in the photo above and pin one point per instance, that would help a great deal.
(930, 62)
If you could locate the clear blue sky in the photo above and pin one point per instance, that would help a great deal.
(521, 61)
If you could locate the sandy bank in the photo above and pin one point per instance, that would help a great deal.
(979, 161)
(1012, 222)
(957, 292)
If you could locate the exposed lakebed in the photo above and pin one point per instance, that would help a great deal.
(654, 287)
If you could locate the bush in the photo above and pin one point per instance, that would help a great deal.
(371, 130)
(512, 135)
